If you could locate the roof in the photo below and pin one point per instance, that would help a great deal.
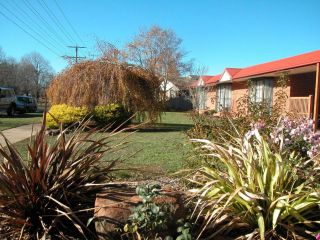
(278, 65)
(213, 79)
(233, 71)
(205, 78)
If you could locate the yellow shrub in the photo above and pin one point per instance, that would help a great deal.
(111, 113)
(65, 114)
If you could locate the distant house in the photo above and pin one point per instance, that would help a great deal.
(177, 93)
(170, 89)
(303, 71)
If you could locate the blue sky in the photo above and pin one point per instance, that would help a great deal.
(216, 33)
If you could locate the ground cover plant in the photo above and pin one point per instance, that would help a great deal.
(151, 220)
(261, 193)
(19, 120)
(51, 193)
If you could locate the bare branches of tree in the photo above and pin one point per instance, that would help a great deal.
(159, 51)
(29, 76)
(43, 72)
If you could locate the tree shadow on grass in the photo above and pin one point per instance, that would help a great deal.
(165, 127)
(22, 115)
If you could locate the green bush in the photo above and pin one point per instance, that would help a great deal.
(261, 193)
(65, 115)
(110, 114)
(151, 221)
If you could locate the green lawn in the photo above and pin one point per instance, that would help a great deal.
(18, 120)
(157, 150)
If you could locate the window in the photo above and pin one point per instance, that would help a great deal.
(223, 97)
(261, 91)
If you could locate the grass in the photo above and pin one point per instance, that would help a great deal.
(18, 120)
(157, 150)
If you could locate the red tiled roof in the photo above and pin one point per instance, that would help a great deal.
(282, 64)
(213, 79)
(232, 71)
(206, 78)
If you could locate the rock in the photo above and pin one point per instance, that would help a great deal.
(114, 206)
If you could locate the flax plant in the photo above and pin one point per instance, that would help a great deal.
(258, 194)
(51, 195)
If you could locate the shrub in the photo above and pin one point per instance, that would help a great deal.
(110, 114)
(66, 115)
(260, 194)
(51, 195)
(149, 219)
(291, 135)
(155, 221)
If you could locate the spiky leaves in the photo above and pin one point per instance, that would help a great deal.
(258, 193)
(53, 192)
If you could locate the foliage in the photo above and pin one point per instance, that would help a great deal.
(51, 194)
(101, 82)
(184, 230)
(149, 219)
(260, 193)
(110, 114)
(65, 115)
(291, 135)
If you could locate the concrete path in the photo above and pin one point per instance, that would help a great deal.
(19, 133)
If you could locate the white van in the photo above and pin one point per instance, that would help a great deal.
(7, 100)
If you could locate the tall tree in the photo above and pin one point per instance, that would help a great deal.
(159, 50)
(2, 55)
(43, 71)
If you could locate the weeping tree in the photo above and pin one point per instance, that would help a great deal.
(105, 81)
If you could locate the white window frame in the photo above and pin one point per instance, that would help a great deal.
(261, 90)
(223, 97)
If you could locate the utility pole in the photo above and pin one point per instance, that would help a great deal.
(75, 57)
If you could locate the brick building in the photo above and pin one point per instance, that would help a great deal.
(302, 73)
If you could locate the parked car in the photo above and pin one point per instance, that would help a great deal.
(26, 104)
(7, 100)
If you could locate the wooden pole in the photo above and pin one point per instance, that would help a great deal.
(310, 106)
(316, 98)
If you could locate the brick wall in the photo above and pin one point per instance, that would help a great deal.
(299, 85)
(239, 89)
(211, 98)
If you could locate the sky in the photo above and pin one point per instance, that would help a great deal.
(215, 33)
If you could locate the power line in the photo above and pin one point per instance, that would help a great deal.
(75, 57)
(55, 20)
(65, 17)
(27, 25)
(36, 13)
(43, 44)
(44, 30)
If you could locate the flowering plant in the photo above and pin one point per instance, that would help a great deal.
(292, 135)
